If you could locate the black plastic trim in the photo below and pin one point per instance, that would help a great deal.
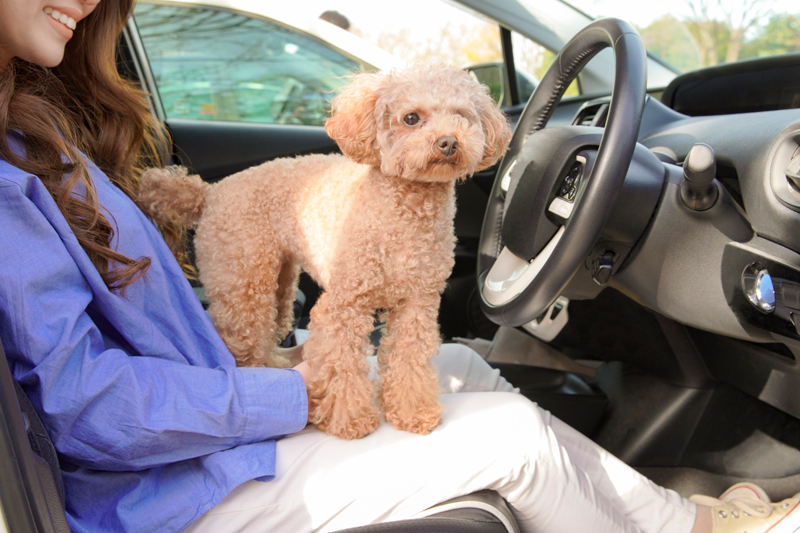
(743, 86)
(218, 149)
(511, 69)
(22, 496)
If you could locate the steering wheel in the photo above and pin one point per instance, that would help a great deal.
(552, 195)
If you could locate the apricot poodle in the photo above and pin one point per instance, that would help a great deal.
(373, 227)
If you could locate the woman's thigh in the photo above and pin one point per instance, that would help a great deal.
(553, 477)
(460, 369)
(324, 483)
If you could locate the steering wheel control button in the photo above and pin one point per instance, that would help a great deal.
(561, 207)
(564, 201)
(569, 187)
(571, 193)
(603, 267)
(758, 287)
(571, 180)
(698, 190)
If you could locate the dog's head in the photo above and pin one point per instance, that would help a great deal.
(425, 122)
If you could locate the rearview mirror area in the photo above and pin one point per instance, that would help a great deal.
(493, 75)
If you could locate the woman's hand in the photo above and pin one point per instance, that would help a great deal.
(305, 370)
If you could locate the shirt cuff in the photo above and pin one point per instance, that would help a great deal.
(275, 402)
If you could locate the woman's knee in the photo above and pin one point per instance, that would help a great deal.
(510, 420)
(454, 354)
(461, 369)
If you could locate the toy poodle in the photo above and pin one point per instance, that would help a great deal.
(373, 227)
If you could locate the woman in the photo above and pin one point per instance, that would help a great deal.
(156, 428)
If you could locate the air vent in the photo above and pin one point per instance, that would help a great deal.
(785, 170)
(793, 170)
(592, 113)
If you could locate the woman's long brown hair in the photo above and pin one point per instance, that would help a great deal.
(84, 104)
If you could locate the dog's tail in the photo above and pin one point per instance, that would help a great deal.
(173, 194)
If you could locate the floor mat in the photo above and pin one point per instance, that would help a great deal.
(687, 481)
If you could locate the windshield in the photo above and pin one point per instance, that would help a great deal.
(681, 35)
(690, 34)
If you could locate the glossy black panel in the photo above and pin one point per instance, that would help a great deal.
(218, 149)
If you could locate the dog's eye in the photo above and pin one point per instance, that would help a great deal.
(411, 119)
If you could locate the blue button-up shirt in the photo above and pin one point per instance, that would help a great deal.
(153, 422)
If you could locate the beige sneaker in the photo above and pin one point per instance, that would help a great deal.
(745, 489)
(746, 508)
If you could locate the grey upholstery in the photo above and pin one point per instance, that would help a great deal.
(480, 512)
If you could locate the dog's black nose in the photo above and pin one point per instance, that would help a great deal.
(448, 145)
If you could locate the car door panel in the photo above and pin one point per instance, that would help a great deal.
(217, 149)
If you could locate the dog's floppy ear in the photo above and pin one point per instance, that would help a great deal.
(352, 122)
(495, 128)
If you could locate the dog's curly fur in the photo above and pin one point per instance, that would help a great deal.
(373, 227)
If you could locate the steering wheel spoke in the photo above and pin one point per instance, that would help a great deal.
(510, 274)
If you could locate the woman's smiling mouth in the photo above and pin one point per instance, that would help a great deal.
(63, 18)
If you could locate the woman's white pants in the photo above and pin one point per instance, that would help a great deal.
(554, 478)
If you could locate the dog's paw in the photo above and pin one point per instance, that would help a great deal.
(415, 413)
(346, 415)
(344, 423)
(356, 428)
(421, 421)
(411, 408)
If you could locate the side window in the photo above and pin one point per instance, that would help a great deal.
(531, 61)
(213, 64)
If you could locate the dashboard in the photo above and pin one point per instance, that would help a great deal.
(742, 87)
(691, 265)
(731, 273)
(684, 266)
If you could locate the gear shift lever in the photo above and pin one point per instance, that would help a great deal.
(698, 190)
